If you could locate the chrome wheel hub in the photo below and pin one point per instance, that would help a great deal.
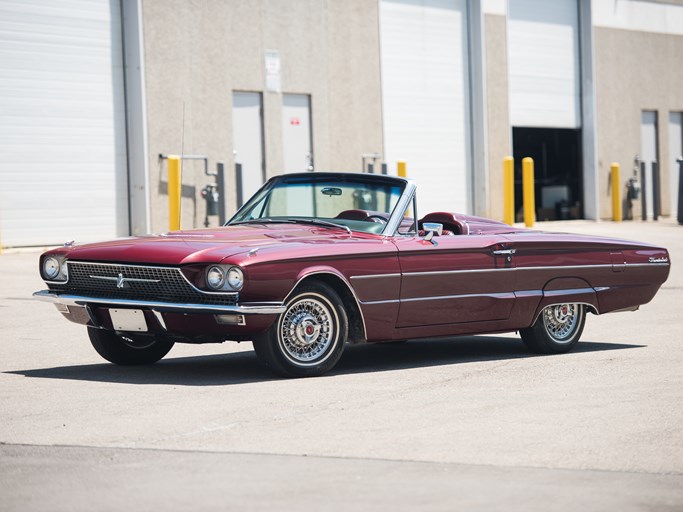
(307, 330)
(561, 321)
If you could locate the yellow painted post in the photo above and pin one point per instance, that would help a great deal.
(174, 187)
(402, 169)
(509, 190)
(528, 189)
(616, 191)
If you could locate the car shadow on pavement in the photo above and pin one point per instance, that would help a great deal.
(244, 367)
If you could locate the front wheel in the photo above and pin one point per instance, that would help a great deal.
(133, 349)
(308, 339)
(556, 330)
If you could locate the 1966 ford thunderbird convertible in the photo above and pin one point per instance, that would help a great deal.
(317, 260)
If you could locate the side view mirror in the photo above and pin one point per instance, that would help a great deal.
(432, 228)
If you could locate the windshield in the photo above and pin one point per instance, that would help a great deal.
(356, 202)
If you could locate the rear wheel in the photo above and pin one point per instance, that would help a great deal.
(133, 349)
(308, 338)
(556, 330)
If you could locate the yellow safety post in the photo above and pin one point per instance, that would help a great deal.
(509, 190)
(528, 189)
(402, 169)
(174, 187)
(616, 191)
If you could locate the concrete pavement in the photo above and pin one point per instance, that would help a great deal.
(473, 422)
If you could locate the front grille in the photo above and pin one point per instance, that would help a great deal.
(164, 284)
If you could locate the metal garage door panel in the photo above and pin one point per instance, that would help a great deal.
(247, 137)
(425, 76)
(543, 52)
(62, 122)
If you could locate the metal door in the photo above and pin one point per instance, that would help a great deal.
(648, 141)
(463, 279)
(247, 139)
(675, 152)
(296, 132)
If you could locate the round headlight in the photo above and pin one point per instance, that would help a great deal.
(51, 267)
(235, 278)
(215, 278)
(65, 270)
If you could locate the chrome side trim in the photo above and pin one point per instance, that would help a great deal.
(262, 308)
(505, 295)
(374, 276)
(554, 267)
(374, 302)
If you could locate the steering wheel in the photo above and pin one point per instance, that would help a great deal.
(376, 218)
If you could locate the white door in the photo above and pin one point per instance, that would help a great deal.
(648, 142)
(63, 168)
(675, 152)
(543, 53)
(296, 132)
(426, 98)
(247, 140)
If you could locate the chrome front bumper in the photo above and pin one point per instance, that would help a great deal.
(259, 308)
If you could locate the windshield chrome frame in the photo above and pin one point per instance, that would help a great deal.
(403, 203)
(395, 218)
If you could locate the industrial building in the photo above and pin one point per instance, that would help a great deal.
(94, 94)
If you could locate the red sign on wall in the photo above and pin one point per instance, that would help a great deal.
(294, 121)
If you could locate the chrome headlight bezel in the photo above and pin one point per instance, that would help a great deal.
(215, 277)
(57, 271)
(232, 278)
(235, 278)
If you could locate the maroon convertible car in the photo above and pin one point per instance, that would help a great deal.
(317, 260)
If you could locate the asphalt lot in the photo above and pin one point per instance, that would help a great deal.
(467, 423)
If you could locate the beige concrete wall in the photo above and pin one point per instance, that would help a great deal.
(198, 52)
(499, 133)
(635, 71)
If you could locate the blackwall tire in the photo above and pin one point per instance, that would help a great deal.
(308, 339)
(556, 330)
(133, 350)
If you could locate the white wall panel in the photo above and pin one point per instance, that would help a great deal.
(425, 93)
(62, 122)
(646, 16)
(543, 53)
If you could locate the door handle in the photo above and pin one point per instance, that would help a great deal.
(505, 252)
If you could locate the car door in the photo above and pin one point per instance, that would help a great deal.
(458, 279)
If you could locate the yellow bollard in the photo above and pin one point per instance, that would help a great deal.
(402, 169)
(174, 188)
(528, 189)
(616, 191)
(509, 190)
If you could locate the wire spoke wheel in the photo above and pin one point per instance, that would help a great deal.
(560, 321)
(556, 330)
(307, 330)
(308, 338)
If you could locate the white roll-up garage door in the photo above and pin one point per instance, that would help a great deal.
(425, 94)
(62, 122)
(543, 52)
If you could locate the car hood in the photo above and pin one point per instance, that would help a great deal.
(205, 245)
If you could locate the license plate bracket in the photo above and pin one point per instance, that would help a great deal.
(132, 320)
